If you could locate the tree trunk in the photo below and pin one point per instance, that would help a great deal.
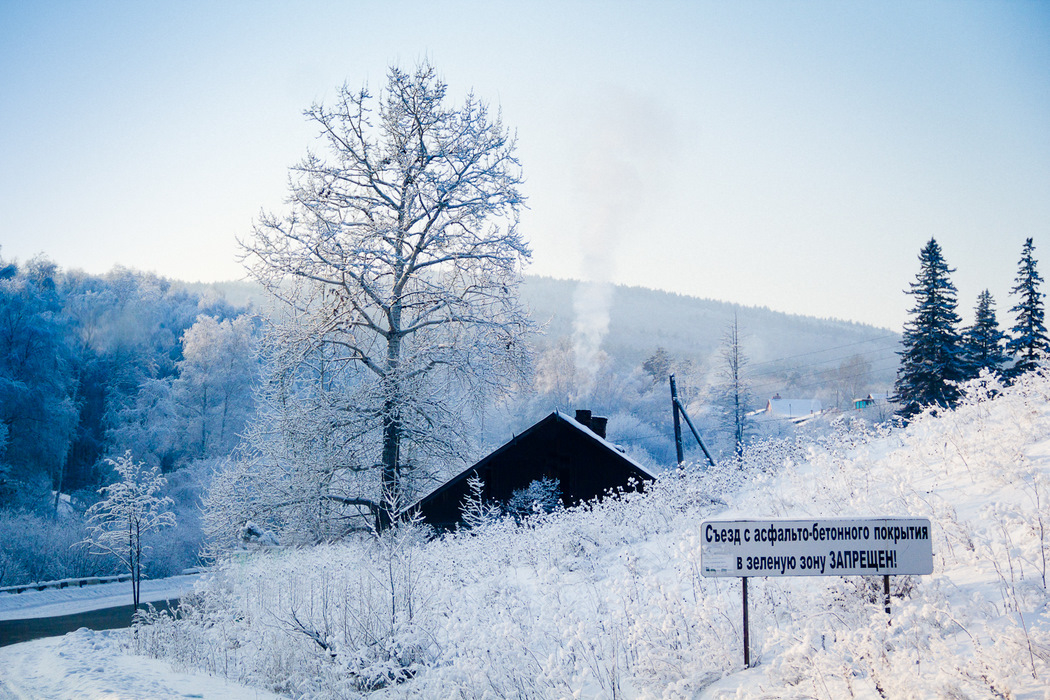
(204, 421)
(391, 448)
(133, 563)
(391, 482)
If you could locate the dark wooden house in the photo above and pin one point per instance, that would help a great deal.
(573, 451)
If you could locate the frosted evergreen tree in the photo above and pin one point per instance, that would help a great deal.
(983, 341)
(1028, 340)
(733, 394)
(658, 365)
(932, 361)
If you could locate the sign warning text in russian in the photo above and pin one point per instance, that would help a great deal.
(816, 547)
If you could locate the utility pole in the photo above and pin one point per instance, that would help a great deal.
(677, 422)
(679, 412)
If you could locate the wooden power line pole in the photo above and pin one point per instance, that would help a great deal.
(679, 413)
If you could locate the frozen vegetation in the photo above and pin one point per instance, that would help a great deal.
(607, 601)
(92, 367)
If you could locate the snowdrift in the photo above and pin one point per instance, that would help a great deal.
(607, 601)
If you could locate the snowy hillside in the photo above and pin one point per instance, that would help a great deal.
(633, 322)
(638, 320)
(609, 602)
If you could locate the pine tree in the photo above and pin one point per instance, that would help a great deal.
(932, 361)
(1028, 340)
(983, 341)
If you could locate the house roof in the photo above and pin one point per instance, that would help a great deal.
(609, 445)
(555, 417)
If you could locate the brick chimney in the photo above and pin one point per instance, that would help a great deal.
(583, 417)
(596, 424)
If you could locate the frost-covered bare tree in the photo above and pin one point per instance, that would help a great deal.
(395, 269)
(214, 389)
(130, 509)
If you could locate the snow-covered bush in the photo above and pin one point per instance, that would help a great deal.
(40, 548)
(342, 618)
(540, 496)
(477, 512)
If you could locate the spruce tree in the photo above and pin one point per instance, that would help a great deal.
(734, 392)
(1028, 340)
(931, 361)
(983, 341)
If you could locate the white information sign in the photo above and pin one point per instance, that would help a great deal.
(816, 547)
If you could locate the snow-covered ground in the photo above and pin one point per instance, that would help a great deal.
(89, 664)
(609, 603)
(86, 664)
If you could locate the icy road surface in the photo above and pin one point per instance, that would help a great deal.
(66, 601)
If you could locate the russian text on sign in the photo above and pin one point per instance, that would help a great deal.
(816, 547)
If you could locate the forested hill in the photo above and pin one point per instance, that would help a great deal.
(93, 365)
(785, 351)
(641, 320)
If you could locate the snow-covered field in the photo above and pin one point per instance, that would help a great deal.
(608, 602)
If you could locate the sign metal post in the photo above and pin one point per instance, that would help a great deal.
(747, 641)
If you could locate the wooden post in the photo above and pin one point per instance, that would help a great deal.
(677, 423)
(747, 636)
(679, 413)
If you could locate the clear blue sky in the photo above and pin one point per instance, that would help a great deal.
(795, 155)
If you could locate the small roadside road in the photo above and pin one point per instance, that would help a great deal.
(16, 631)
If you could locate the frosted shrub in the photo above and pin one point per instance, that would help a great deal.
(540, 496)
(349, 617)
(477, 512)
(40, 548)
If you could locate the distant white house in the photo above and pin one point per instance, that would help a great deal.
(793, 408)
